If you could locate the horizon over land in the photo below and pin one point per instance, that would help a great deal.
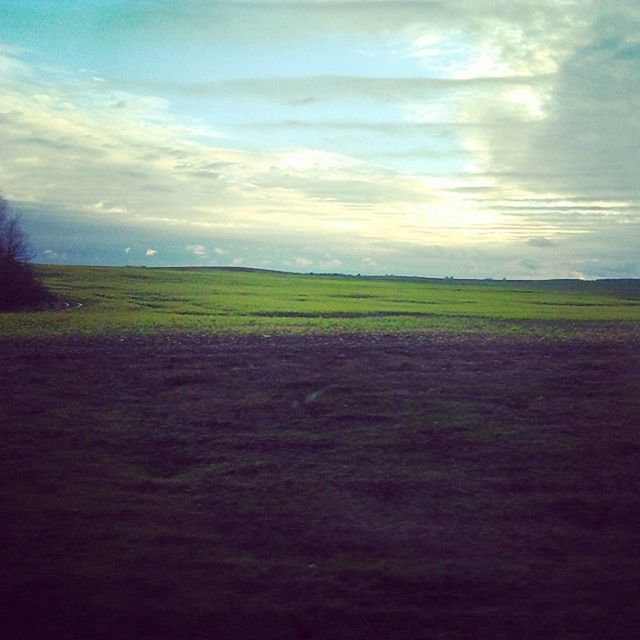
(399, 276)
(234, 453)
(338, 335)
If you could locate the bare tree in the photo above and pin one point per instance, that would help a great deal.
(19, 287)
(13, 240)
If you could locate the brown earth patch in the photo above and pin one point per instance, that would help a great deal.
(407, 486)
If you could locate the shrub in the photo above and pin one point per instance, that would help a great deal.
(19, 286)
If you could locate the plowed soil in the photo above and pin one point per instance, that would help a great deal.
(188, 486)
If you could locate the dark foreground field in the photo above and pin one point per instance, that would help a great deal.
(320, 487)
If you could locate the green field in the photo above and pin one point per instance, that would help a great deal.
(237, 455)
(222, 300)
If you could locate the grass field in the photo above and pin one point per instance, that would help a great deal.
(217, 300)
(223, 454)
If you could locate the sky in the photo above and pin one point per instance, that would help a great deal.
(470, 138)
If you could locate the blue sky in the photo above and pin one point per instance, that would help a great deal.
(474, 138)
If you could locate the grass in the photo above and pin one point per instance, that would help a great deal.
(227, 454)
(117, 300)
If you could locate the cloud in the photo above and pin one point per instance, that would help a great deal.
(144, 169)
(578, 144)
(197, 250)
(303, 262)
(589, 141)
(608, 253)
(487, 126)
(101, 207)
(150, 252)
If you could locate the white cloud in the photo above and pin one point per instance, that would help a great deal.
(578, 275)
(101, 207)
(197, 250)
(305, 160)
(528, 102)
(456, 56)
(303, 262)
(150, 252)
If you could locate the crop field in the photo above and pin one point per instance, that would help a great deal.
(233, 454)
(223, 300)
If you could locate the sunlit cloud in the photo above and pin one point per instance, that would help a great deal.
(197, 250)
(426, 138)
(303, 262)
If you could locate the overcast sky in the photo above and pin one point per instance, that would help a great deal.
(472, 138)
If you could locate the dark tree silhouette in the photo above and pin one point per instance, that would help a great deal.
(19, 286)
